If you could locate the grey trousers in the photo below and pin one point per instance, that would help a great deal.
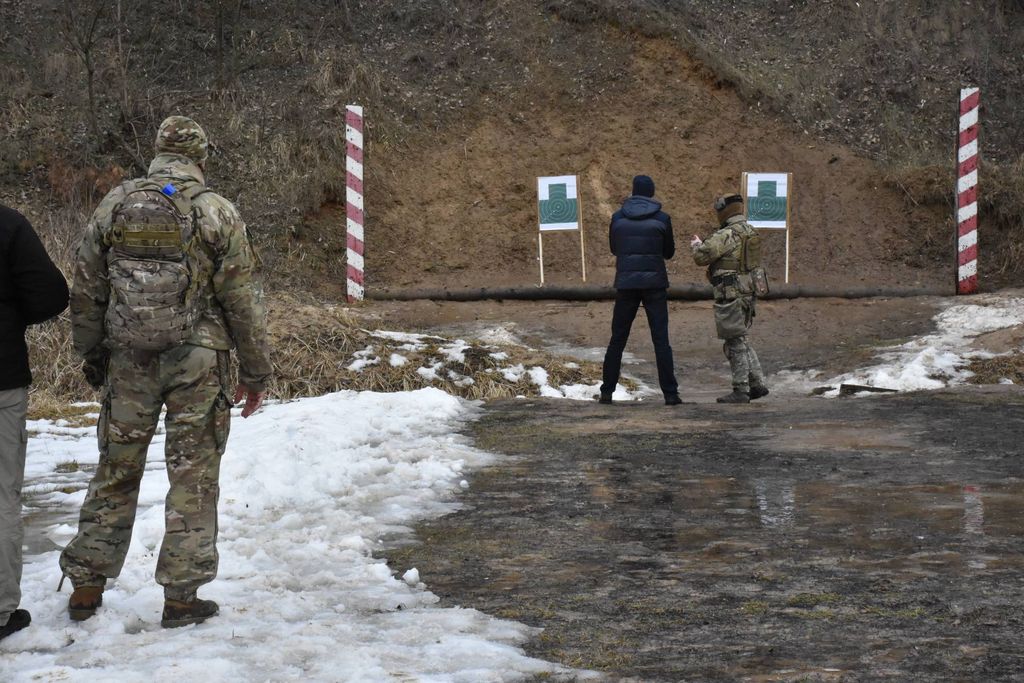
(13, 441)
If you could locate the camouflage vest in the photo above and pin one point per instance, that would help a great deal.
(156, 266)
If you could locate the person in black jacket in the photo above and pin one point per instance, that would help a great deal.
(640, 236)
(32, 290)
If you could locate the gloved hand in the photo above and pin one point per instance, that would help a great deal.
(253, 399)
(696, 242)
(95, 371)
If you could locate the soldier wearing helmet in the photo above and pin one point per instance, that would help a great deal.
(733, 259)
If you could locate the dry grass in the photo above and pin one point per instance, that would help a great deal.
(313, 347)
(992, 370)
(1001, 211)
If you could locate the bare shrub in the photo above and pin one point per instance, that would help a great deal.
(82, 186)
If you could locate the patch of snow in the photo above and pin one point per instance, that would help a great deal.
(397, 360)
(430, 373)
(501, 334)
(406, 337)
(309, 488)
(513, 373)
(455, 352)
(939, 359)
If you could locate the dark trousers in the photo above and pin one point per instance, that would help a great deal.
(655, 302)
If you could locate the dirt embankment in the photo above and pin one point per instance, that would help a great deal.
(463, 212)
(469, 101)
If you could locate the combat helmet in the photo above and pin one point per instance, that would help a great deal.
(181, 135)
(727, 206)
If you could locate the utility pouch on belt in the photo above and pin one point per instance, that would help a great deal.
(731, 319)
(759, 278)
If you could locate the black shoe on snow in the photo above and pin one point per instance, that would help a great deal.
(605, 399)
(758, 392)
(20, 618)
(736, 396)
(178, 613)
(673, 400)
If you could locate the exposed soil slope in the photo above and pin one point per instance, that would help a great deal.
(469, 101)
(463, 212)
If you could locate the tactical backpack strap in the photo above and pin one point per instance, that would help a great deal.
(191, 193)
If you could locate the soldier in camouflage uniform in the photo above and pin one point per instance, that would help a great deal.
(734, 295)
(190, 379)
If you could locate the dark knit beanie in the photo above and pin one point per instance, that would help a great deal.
(643, 186)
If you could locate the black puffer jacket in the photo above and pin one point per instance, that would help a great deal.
(32, 290)
(640, 236)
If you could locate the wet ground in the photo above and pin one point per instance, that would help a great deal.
(795, 539)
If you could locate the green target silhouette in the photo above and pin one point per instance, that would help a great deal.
(767, 205)
(558, 208)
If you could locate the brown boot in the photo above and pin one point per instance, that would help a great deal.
(181, 613)
(84, 601)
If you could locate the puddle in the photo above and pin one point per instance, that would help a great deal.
(797, 540)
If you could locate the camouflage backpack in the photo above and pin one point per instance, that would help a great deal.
(156, 266)
(749, 258)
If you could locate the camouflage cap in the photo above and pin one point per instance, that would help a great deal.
(181, 135)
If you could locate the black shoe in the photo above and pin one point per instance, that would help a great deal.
(758, 392)
(673, 400)
(20, 618)
(605, 399)
(178, 613)
(736, 396)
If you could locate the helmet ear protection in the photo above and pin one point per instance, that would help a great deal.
(726, 200)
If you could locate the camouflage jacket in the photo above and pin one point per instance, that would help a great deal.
(234, 317)
(721, 251)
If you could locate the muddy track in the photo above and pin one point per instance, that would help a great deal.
(796, 539)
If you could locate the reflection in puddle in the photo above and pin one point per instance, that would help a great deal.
(777, 502)
(914, 528)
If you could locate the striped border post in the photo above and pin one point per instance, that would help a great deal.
(967, 194)
(355, 216)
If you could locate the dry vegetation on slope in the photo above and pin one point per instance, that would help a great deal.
(470, 99)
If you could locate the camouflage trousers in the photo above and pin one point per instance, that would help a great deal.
(746, 368)
(192, 382)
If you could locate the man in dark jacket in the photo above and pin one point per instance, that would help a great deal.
(31, 290)
(640, 236)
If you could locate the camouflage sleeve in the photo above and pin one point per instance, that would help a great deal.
(238, 293)
(90, 290)
(714, 247)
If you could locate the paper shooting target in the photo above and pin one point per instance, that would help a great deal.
(558, 203)
(767, 196)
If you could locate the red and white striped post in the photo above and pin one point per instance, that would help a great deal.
(355, 216)
(967, 194)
